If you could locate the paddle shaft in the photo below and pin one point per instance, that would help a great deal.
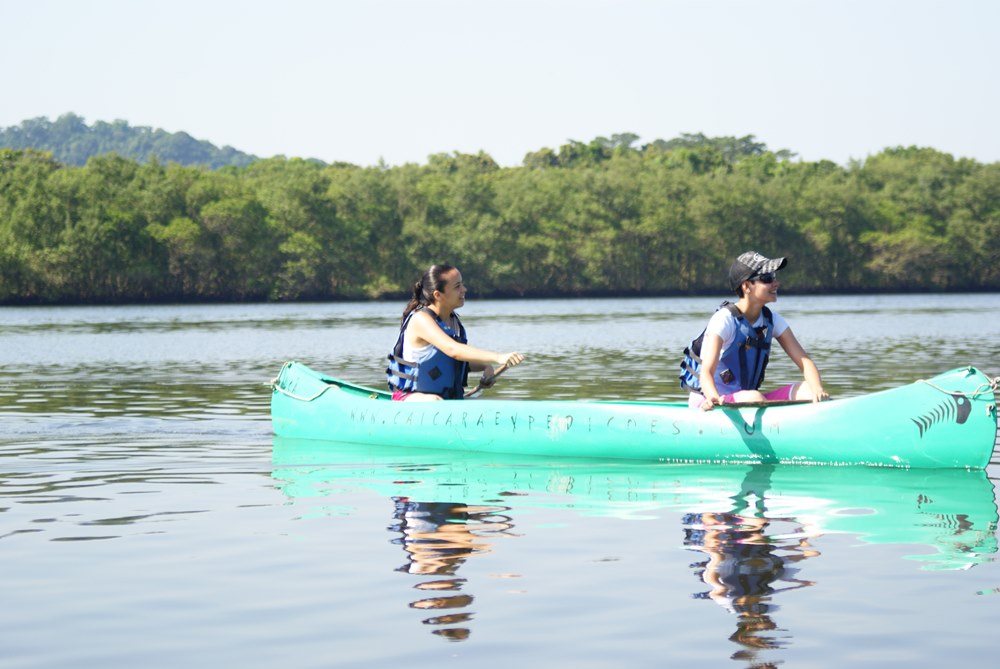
(477, 391)
(765, 403)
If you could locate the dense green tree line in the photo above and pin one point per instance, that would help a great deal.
(598, 218)
(73, 142)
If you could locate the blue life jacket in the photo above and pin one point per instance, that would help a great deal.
(435, 372)
(742, 364)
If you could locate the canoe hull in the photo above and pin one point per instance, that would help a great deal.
(945, 422)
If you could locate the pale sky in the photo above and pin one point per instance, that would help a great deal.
(399, 80)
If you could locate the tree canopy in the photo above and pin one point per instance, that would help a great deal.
(72, 142)
(605, 217)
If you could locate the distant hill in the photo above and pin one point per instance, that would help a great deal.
(72, 142)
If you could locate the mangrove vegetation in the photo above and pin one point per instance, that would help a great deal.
(605, 217)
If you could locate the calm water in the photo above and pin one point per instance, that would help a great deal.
(148, 517)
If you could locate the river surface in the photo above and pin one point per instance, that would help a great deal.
(149, 518)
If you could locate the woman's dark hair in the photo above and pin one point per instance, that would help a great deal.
(423, 290)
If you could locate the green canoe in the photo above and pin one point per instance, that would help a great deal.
(949, 421)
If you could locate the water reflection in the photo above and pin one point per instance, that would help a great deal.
(437, 538)
(754, 527)
(156, 351)
(750, 558)
(168, 392)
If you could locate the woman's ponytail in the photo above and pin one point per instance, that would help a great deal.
(423, 290)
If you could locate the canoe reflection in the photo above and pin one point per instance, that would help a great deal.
(437, 538)
(753, 525)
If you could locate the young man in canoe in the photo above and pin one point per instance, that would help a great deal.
(725, 365)
(432, 359)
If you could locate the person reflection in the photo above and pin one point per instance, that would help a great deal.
(746, 567)
(438, 537)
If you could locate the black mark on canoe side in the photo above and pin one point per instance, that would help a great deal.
(954, 408)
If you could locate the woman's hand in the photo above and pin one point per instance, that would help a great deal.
(490, 372)
(510, 359)
(710, 402)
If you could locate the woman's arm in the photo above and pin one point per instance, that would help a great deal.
(711, 345)
(805, 364)
(424, 330)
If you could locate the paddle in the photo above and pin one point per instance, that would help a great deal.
(478, 390)
(766, 403)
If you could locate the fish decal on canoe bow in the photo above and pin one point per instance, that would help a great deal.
(955, 408)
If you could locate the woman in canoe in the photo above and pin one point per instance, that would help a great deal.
(432, 359)
(725, 365)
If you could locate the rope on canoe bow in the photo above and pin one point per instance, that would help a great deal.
(275, 386)
(983, 389)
